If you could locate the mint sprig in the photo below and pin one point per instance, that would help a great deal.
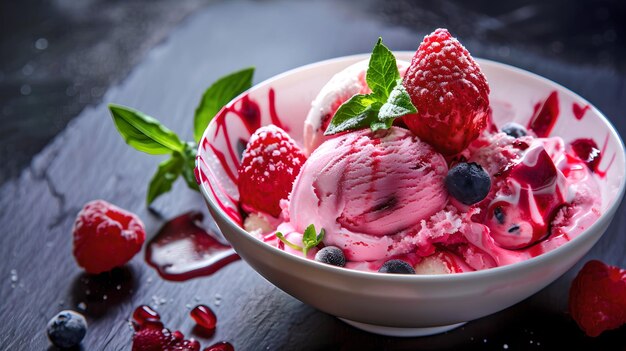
(387, 101)
(219, 94)
(147, 134)
(310, 239)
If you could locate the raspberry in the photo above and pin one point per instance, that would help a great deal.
(106, 236)
(597, 298)
(450, 92)
(156, 339)
(269, 165)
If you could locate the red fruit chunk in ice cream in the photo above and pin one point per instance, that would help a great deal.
(269, 165)
(533, 192)
(450, 92)
(365, 187)
(106, 236)
(597, 298)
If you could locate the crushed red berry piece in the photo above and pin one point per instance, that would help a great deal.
(269, 165)
(155, 339)
(597, 298)
(220, 346)
(106, 236)
(204, 317)
(450, 93)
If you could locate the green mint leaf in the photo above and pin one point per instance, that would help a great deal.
(189, 164)
(378, 125)
(320, 236)
(352, 114)
(165, 176)
(143, 132)
(310, 238)
(282, 238)
(219, 94)
(382, 72)
(398, 104)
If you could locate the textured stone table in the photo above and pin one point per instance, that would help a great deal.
(88, 160)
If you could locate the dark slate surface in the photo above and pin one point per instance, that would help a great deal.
(59, 56)
(88, 160)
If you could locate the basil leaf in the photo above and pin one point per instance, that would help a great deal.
(219, 94)
(352, 114)
(382, 72)
(189, 158)
(165, 176)
(398, 104)
(143, 132)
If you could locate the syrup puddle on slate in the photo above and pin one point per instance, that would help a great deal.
(183, 249)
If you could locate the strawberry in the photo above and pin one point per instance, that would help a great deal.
(269, 165)
(450, 93)
(597, 298)
(106, 236)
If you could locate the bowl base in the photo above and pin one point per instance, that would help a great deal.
(401, 332)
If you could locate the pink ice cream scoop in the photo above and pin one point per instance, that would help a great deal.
(367, 189)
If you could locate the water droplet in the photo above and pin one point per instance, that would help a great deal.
(41, 44)
(82, 306)
(14, 276)
(25, 89)
(28, 69)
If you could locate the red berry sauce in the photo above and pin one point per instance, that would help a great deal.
(204, 317)
(579, 111)
(545, 116)
(183, 250)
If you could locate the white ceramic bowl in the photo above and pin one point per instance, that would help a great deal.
(402, 305)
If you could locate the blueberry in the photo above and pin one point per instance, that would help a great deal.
(331, 255)
(515, 130)
(67, 329)
(468, 182)
(396, 267)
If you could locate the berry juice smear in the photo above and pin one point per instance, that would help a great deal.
(183, 249)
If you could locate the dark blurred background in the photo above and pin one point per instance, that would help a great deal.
(59, 56)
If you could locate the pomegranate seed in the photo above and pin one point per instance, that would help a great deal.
(178, 335)
(204, 317)
(220, 346)
(144, 313)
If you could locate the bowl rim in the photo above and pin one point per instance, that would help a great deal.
(421, 278)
